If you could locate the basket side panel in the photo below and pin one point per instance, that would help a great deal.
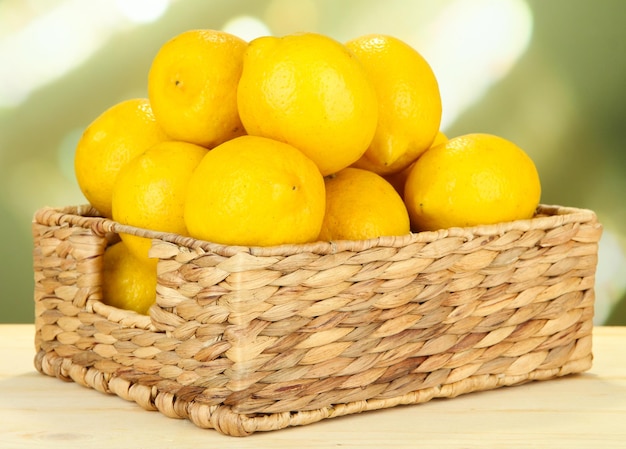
(78, 338)
(67, 262)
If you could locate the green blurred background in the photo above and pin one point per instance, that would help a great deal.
(548, 75)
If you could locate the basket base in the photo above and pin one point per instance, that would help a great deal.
(224, 420)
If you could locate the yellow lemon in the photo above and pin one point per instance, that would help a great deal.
(120, 133)
(409, 102)
(361, 205)
(127, 282)
(192, 85)
(398, 179)
(309, 91)
(150, 191)
(470, 180)
(255, 191)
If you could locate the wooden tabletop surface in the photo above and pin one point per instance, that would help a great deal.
(579, 411)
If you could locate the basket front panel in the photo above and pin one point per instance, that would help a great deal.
(307, 331)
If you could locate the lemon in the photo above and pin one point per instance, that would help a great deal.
(398, 179)
(361, 204)
(120, 133)
(470, 180)
(127, 282)
(192, 85)
(150, 191)
(409, 102)
(309, 91)
(255, 191)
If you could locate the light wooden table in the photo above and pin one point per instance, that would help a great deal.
(580, 411)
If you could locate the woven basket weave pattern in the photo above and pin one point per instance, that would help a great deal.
(247, 339)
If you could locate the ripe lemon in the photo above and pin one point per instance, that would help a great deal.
(309, 91)
(120, 133)
(150, 191)
(127, 282)
(255, 191)
(398, 179)
(361, 205)
(192, 85)
(471, 180)
(409, 102)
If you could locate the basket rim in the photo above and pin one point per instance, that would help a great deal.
(546, 217)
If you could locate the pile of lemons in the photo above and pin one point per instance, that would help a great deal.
(288, 140)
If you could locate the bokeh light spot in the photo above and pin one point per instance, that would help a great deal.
(246, 27)
(142, 11)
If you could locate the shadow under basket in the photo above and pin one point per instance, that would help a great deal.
(246, 339)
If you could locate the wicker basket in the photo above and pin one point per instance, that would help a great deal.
(256, 339)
